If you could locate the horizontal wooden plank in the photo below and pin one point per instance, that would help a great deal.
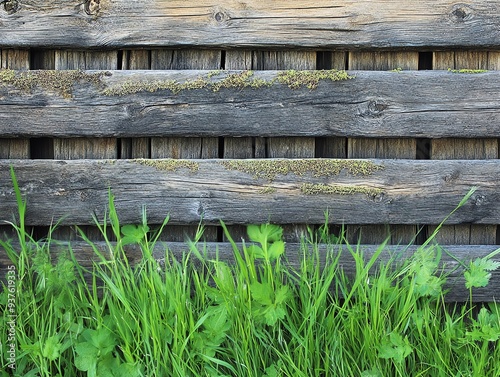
(254, 191)
(254, 23)
(413, 104)
(449, 265)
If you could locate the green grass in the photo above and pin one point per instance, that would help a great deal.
(257, 316)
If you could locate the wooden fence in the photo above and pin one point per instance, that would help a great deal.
(192, 111)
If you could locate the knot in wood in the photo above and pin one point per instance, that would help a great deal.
(220, 16)
(92, 7)
(10, 6)
(461, 13)
(479, 200)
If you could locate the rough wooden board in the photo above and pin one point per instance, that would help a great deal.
(449, 264)
(176, 147)
(241, 147)
(255, 23)
(373, 104)
(329, 147)
(71, 149)
(136, 59)
(455, 148)
(413, 192)
(14, 148)
(15, 59)
(135, 147)
(89, 147)
(186, 59)
(19, 60)
(382, 148)
(288, 147)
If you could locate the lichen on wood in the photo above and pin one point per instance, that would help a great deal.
(231, 80)
(310, 79)
(269, 169)
(169, 164)
(60, 82)
(467, 71)
(329, 189)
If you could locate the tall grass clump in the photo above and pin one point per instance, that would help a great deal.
(253, 313)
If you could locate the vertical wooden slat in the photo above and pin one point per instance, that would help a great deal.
(382, 148)
(288, 147)
(84, 148)
(455, 148)
(14, 148)
(239, 147)
(178, 147)
(135, 147)
(331, 147)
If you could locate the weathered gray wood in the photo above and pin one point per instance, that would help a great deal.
(402, 192)
(331, 147)
(449, 265)
(19, 60)
(239, 147)
(186, 147)
(382, 148)
(373, 104)
(282, 60)
(277, 24)
(15, 59)
(455, 148)
(136, 147)
(14, 148)
(89, 147)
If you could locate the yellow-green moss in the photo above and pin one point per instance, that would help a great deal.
(238, 80)
(469, 71)
(269, 169)
(267, 190)
(60, 82)
(310, 79)
(169, 164)
(131, 87)
(323, 189)
(397, 70)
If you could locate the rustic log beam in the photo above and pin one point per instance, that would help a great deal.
(408, 104)
(254, 23)
(254, 191)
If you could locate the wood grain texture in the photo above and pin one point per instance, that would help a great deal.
(382, 148)
(456, 148)
(373, 104)
(186, 147)
(411, 192)
(449, 264)
(136, 147)
(254, 23)
(89, 147)
(19, 60)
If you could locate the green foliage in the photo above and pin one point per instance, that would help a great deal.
(263, 313)
(478, 274)
(395, 347)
